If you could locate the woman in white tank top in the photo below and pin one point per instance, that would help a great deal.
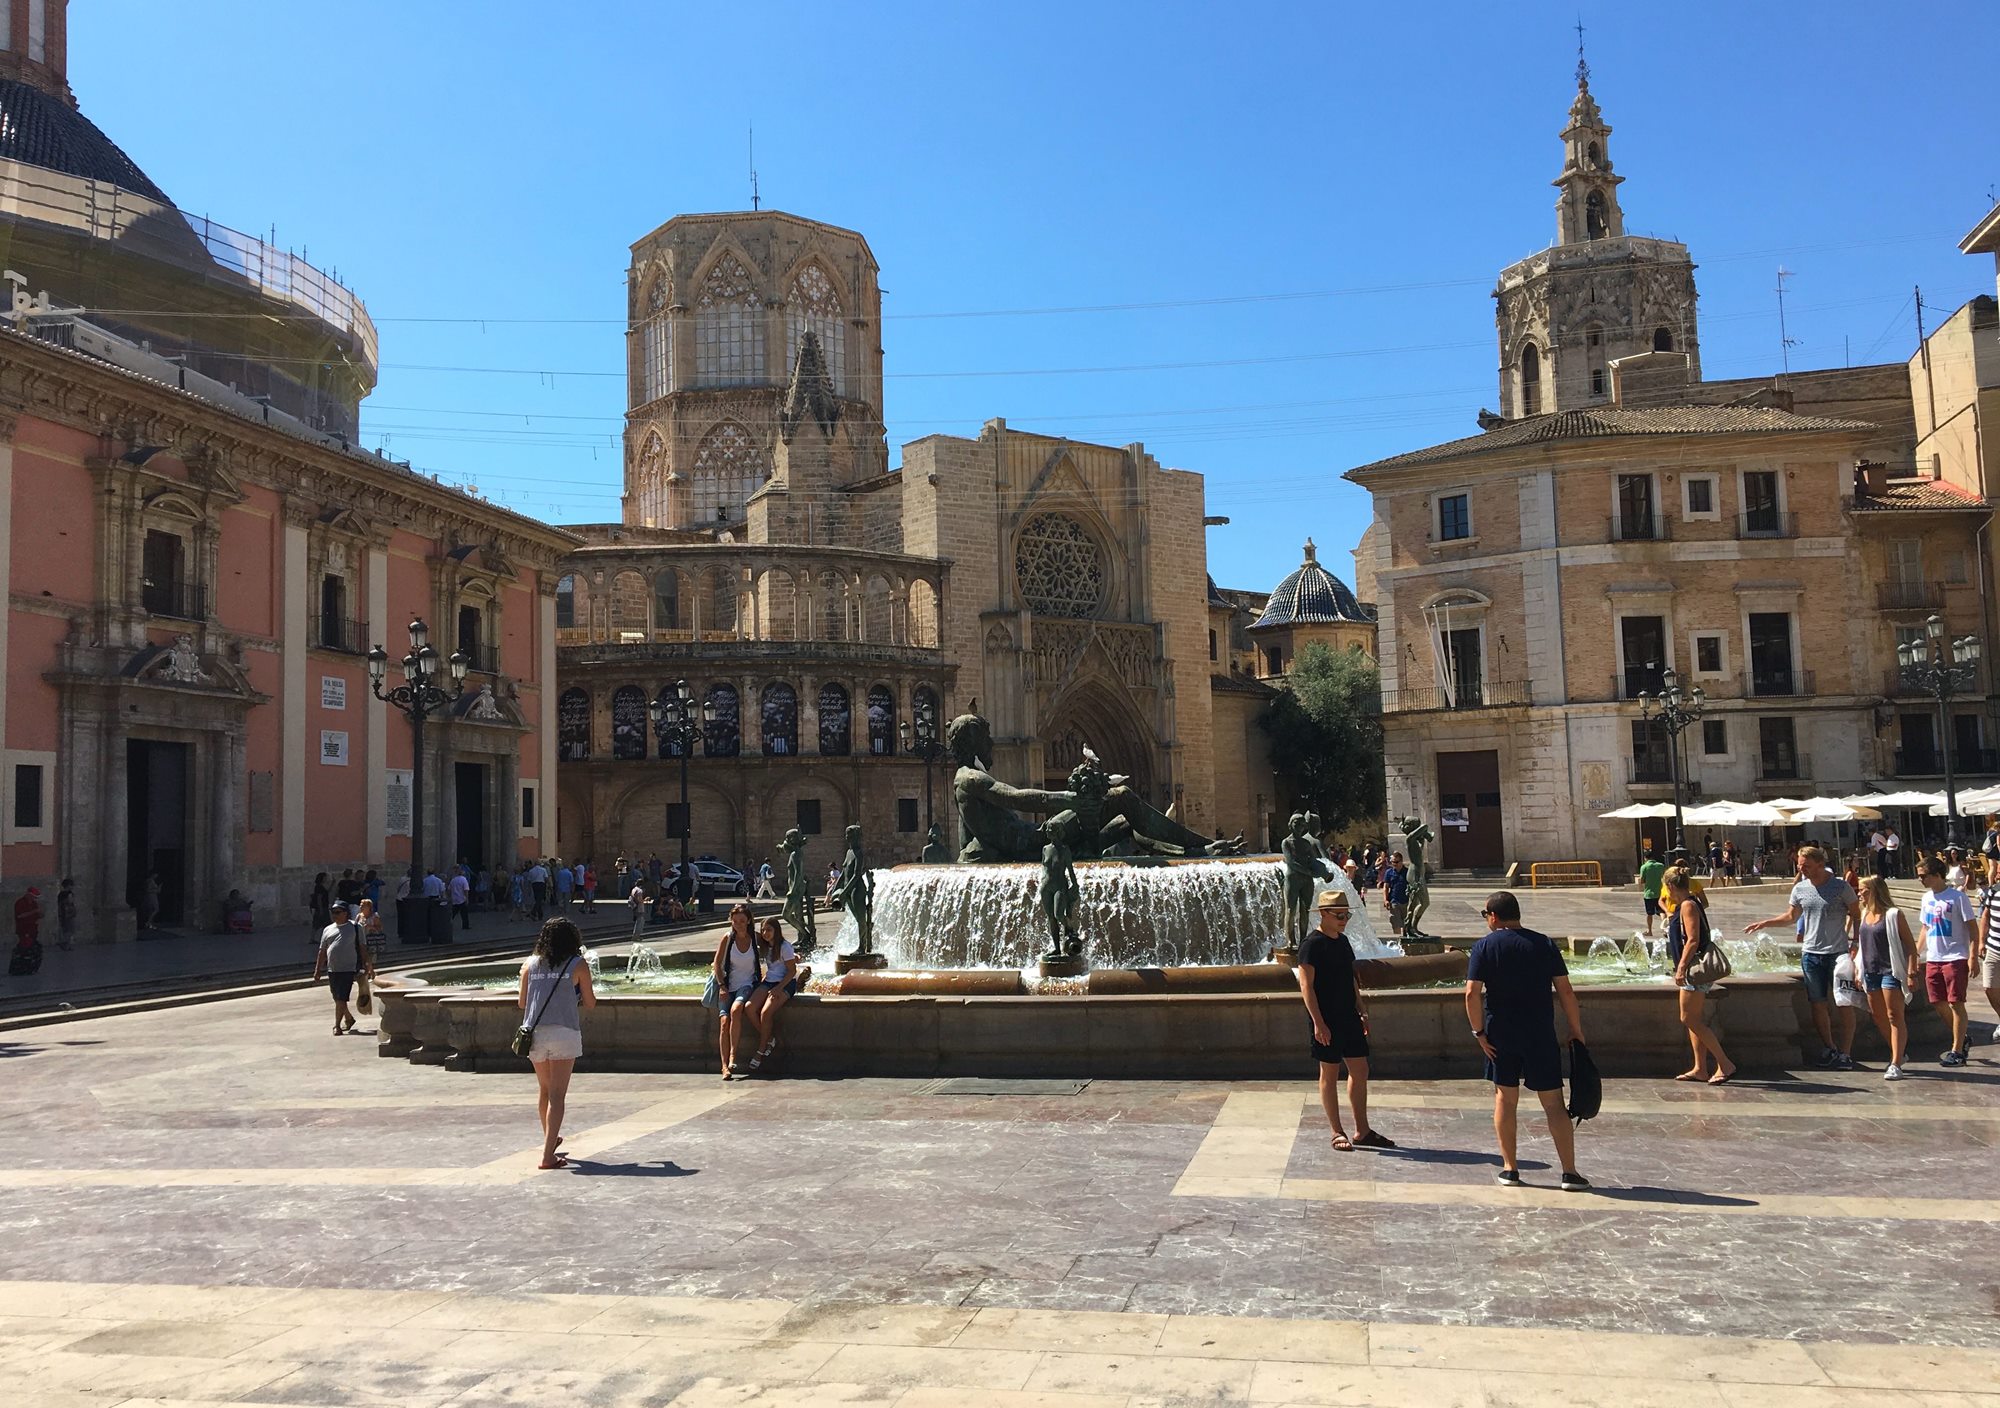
(737, 973)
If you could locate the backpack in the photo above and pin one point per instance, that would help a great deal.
(26, 959)
(1586, 1087)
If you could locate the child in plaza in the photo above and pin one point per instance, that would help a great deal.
(1947, 924)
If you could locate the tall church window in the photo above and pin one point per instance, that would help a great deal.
(628, 723)
(836, 721)
(1596, 222)
(881, 721)
(780, 713)
(813, 306)
(728, 468)
(721, 732)
(1531, 380)
(1663, 339)
(566, 603)
(573, 726)
(656, 347)
(728, 327)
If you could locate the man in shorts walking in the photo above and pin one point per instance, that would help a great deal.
(1947, 924)
(1339, 1021)
(1832, 920)
(1650, 872)
(1513, 980)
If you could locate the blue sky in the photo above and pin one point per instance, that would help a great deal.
(1316, 199)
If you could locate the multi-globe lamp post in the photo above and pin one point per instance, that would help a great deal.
(1673, 711)
(927, 747)
(418, 697)
(675, 722)
(1941, 669)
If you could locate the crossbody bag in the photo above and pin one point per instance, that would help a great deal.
(524, 1035)
(1711, 965)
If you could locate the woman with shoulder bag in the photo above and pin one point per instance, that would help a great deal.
(1884, 949)
(555, 991)
(737, 972)
(1698, 965)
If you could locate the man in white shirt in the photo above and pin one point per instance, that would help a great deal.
(461, 899)
(1892, 847)
(1947, 922)
(538, 888)
(1878, 851)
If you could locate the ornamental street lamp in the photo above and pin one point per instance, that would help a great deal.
(927, 747)
(419, 696)
(674, 723)
(1927, 670)
(1673, 711)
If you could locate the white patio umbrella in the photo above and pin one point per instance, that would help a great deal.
(1786, 804)
(1736, 814)
(1829, 809)
(1640, 811)
(1884, 801)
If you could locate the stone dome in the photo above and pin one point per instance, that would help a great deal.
(1312, 596)
(38, 129)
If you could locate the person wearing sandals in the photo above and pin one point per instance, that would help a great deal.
(370, 921)
(1884, 951)
(555, 992)
(1688, 934)
(342, 957)
(737, 973)
(1339, 1021)
(782, 978)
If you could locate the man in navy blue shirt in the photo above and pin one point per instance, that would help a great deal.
(1513, 980)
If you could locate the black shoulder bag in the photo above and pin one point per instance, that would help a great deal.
(524, 1035)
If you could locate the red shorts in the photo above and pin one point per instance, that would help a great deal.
(1945, 982)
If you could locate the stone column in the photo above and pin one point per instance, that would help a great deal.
(292, 690)
(375, 713)
(545, 672)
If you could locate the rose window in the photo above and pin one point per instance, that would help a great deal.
(1059, 566)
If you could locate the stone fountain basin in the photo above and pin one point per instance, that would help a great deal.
(1150, 1034)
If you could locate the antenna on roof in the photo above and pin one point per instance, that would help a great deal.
(756, 202)
(1785, 344)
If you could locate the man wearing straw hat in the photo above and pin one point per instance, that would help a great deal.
(1339, 1021)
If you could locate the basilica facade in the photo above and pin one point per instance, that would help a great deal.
(828, 615)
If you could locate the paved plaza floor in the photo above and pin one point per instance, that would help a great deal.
(225, 1203)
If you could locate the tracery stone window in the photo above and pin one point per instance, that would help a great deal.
(652, 483)
(836, 721)
(728, 327)
(814, 305)
(728, 468)
(1059, 566)
(656, 347)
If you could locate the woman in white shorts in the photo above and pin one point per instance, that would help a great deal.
(555, 991)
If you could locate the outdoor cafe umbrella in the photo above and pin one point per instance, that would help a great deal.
(1831, 809)
(1640, 811)
(1738, 814)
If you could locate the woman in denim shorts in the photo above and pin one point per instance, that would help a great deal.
(1883, 950)
(737, 973)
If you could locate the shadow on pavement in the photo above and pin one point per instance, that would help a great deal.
(665, 1169)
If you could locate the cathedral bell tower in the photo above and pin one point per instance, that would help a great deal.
(1597, 294)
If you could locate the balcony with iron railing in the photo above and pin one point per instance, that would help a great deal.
(1644, 528)
(1762, 523)
(1778, 684)
(1637, 680)
(1651, 765)
(181, 601)
(1929, 762)
(482, 655)
(1481, 694)
(1909, 596)
(339, 633)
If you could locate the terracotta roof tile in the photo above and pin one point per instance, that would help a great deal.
(1921, 495)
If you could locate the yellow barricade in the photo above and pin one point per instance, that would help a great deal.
(1565, 872)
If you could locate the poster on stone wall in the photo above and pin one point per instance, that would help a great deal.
(573, 726)
(396, 790)
(333, 747)
(332, 692)
(628, 723)
(780, 717)
(835, 721)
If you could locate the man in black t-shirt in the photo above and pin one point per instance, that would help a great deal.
(1339, 1021)
(1514, 978)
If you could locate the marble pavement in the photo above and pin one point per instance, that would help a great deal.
(227, 1204)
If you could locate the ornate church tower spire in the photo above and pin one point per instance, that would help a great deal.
(1587, 209)
(1597, 294)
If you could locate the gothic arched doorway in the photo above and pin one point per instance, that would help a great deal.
(1095, 717)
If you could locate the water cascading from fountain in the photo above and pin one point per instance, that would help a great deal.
(1133, 916)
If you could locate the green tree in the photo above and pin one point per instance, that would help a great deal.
(1325, 727)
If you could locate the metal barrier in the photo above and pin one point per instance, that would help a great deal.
(1551, 873)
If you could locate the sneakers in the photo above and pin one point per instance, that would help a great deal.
(1509, 1178)
(1842, 1061)
(1951, 1058)
(1574, 1182)
(1828, 1060)
(1893, 1073)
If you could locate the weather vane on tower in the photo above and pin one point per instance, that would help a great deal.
(1582, 68)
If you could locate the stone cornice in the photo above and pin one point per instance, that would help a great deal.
(72, 389)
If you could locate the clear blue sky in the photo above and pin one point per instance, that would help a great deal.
(1354, 177)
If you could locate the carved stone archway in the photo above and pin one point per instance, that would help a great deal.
(1094, 714)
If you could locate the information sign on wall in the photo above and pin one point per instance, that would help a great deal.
(333, 747)
(332, 692)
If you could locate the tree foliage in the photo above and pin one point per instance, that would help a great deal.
(1325, 728)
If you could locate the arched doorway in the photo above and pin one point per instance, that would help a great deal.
(1095, 717)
